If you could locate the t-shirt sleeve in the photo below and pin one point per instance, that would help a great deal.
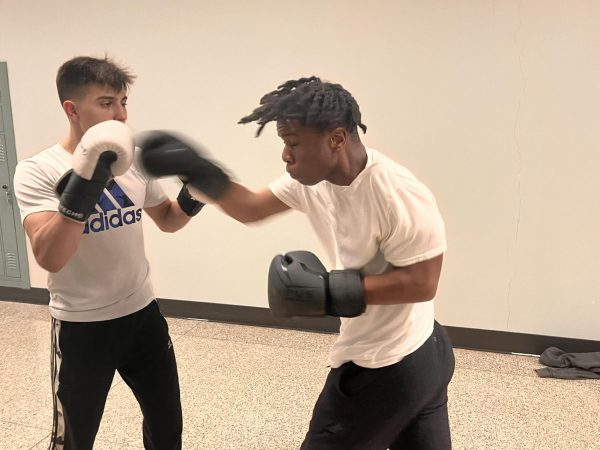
(34, 189)
(414, 226)
(155, 194)
(289, 191)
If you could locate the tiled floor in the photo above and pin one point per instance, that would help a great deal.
(254, 388)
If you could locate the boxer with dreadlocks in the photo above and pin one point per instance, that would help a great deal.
(384, 240)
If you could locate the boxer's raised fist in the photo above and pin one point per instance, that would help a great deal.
(165, 153)
(105, 150)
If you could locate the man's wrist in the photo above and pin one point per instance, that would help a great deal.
(187, 203)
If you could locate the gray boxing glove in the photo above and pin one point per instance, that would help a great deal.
(164, 154)
(299, 285)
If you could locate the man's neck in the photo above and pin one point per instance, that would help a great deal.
(71, 141)
(353, 164)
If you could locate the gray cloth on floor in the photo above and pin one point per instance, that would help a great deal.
(569, 366)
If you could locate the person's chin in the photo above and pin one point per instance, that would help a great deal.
(304, 181)
(300, 179)
(295, 176)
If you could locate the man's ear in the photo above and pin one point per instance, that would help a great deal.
(337, 138)
(71, 110)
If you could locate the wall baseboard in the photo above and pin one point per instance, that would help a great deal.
(37, 296)
(468, 338)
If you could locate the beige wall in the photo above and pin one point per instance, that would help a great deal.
(493, 104)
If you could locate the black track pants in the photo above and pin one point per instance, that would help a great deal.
(85, 356)
(401, 406)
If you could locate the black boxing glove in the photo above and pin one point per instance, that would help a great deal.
(165, 154)
(299, 285)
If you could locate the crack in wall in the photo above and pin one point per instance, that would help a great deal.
(518, 154)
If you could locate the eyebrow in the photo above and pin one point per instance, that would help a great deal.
(285, 131)
(110, 97)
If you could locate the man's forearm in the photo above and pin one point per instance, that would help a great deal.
(238, 202)
(55, 241)
(411, 284)
(247, 206)
(174, 218)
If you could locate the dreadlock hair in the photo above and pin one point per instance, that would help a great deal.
(314, 103)
(80, 72)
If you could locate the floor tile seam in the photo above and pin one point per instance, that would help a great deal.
(121, 381)
(176, 337)
(491, 367)
(211, 323)
(13, 320)
(113, 442)
(185, 333)
(221, 339)
(45, 430)
(45, 438)
(240, 341)
(499, 372)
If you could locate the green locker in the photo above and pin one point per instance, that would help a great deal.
(14, 268)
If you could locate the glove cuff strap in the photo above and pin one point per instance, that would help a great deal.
(187, 203)
(346, 293)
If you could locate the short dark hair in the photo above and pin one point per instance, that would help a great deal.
(82, 71)
(314, 103)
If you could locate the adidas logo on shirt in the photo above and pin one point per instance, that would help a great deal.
(112, 213)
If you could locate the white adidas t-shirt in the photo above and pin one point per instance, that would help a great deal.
(385, 218)
(108, 276)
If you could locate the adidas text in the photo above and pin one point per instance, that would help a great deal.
(112, 219)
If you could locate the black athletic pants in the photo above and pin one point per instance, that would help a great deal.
(85, 356)
(401, 406)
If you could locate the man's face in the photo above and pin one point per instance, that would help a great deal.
(307, 152)
(98, 104)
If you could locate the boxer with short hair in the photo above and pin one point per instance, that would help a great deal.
(384, 238)
(82, 202)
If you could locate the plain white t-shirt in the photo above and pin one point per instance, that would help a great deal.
(108, 276)
(384, 218)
